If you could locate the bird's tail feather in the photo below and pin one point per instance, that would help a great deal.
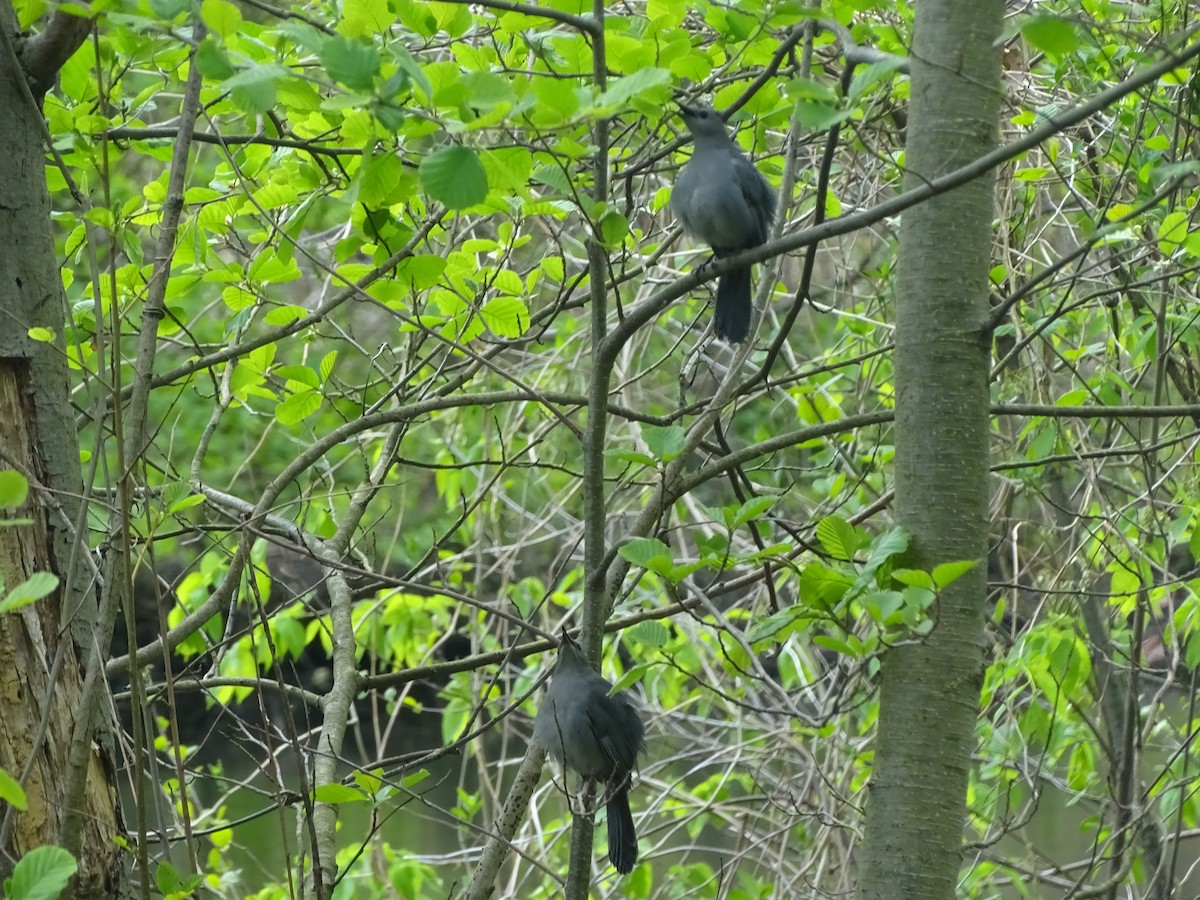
(622, 838)
(731, 320)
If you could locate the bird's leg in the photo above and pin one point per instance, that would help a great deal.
(586, 795)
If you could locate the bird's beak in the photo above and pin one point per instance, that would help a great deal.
(685, 109)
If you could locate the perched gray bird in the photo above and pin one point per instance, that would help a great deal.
(596, 735)
(720, 198)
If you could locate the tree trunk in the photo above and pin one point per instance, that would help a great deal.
(44, 646)
(930, 688)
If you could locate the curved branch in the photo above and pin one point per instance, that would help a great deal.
(43, 54)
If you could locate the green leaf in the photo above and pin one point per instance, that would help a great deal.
(631, 677)
(752, 509)
(614, 228)
(326, 366)
(350, 62)
(488, 90)
(839, 538)
(666, 442)
(1172, 231)
(253, 89)
(506, 316)
(412, 779)
(819, 116)
(166, 878)
(1052, 35)
(866, 76)
(648, 553)
(948, 573)
(822, 586)
(410, 67)
(33, 589)
(11, 792)
(622, 90)
(14, 488)
(298, 407)
(29, 11)
(378, 180)
(221, 17)
(334, 794)
(454, 176)
(632, 456)
(364, 18)
(41, 874)
(212, 61)
(914, 578)
(650, 633)
(776, 626)
(837, 645)
(890, 544)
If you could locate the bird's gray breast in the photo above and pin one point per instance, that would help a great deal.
(708, 200)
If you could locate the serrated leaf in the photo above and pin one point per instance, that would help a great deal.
(621, 90)
(948, 573)
(31, 590)
(631, 677)
(914, 578)
(614, 228)
(680, 572)
(645, 552)
(506, 316)
(186, 503)
(212, 61)
(454, 176)
(378, 180)
(327, 364)
(1052, 35)
(752, 509)
(775, 624)
(334, 794)
(665, 441)
(829, 642)
(412, 779)
(350, 62)
(221, 17)
(838, 537)
(630, 456)
(650, 633)
(891, 543)
(41, 874)
(820, 117)
(297, 407)
(11, 792)
(821, 586)
(1171, 232)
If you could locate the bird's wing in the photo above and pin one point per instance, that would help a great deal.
(618, 732)
(757, 191)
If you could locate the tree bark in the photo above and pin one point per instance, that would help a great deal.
(930, 688)
(44, 646)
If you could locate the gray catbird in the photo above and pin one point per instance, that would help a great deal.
(596, 735)
(723, 200)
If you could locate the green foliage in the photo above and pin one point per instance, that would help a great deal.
(41, 874)
(377, 325)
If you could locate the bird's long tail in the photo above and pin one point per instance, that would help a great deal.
(622, 838)
(731, 320)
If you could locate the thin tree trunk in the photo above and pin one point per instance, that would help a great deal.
(44, 646)
(930, 688)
